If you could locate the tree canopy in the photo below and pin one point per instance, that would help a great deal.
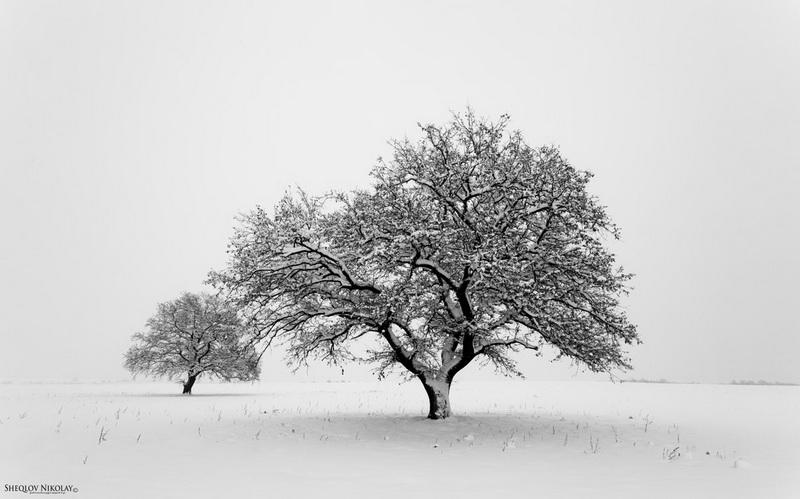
(470, 244)
(194, 335)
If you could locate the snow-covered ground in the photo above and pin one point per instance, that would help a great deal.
(507, 439)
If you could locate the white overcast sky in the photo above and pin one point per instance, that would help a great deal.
(132, 133)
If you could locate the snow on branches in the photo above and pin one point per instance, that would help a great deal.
(194, 335)
(471, 244)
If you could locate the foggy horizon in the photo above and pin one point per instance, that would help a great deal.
(133, 134)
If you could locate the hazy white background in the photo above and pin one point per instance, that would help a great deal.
(132, 133)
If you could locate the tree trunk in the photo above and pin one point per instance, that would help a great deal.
(187, 386)
(438, 392)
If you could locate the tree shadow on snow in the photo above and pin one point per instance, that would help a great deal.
(192, 396)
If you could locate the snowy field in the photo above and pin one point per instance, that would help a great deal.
(507, 439)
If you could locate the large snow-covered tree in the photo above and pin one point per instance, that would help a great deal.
(194, 335)
(469, 245)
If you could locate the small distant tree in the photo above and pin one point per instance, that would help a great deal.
(470, 245)
(192, 336)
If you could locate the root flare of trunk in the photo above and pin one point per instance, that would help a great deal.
(188, 384)
(438, 398)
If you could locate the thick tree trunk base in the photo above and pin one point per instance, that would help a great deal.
(438, 398)
(187, 386)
